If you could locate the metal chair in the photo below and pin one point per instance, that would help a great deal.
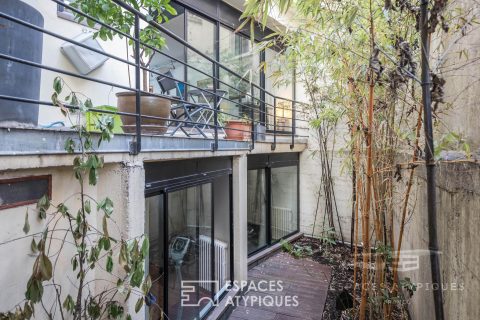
(168, 83)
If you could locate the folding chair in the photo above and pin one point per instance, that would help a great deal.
(167, 83)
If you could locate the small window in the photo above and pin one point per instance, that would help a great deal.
(24, 190)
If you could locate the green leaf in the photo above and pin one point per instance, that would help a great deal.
(26, 226)
(105, 226)
(57, 85)
(138, 305)
(137, 277)
(88, 207)
(93, 176)
(147, 284)
(34, 291)
(109, 264)
(43, 268)
(69, 304)
(33, 246)
(145, 246)
(106, 205)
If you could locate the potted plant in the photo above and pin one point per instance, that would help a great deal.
(113, 15)
(236, 128)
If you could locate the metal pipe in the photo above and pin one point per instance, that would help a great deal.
(138, 109)
(430, 163)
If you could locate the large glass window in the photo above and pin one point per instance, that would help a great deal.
(191, 239)
(201, 35)
(189, 234)
(256, 210)
(272, 199)
(175, 50)
(284, 201)
(278, 83)
(238, 53)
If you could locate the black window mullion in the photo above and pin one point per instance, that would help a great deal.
(165, 253)
(268, 181)
(212, 244)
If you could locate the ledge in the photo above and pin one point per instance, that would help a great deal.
(264, 254)
(26, 141)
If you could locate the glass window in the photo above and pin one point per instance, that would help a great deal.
(222, 223)
(239, 55)
(256, 210)
(189, 252)
(278, 84)
(167, 65)
(284, 201)
(155, 213)
(201, 35)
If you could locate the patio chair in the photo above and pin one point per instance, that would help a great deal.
(181, 110)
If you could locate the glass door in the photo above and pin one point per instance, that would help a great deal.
(257, 210)
(190, 256)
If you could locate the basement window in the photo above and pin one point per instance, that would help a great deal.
(24, 190)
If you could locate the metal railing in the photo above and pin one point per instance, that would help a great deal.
(257, 105)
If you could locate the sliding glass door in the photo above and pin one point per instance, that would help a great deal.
(272, 199)
(190, 229)
(257, 209)
(284, 208)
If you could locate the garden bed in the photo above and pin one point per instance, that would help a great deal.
(339, 303)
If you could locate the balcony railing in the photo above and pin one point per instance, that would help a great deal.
(284, 117)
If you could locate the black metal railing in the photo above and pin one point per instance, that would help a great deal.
(257, 105)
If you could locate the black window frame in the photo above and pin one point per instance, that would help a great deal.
(200, 173)
(267, 162)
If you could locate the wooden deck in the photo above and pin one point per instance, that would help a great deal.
(304, 279)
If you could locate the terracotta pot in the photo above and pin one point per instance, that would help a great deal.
(150, 106)
(233, 127)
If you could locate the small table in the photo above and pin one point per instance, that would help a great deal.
(208, 97)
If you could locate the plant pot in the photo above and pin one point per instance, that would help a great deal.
(150, 106)
(237, 130)
(16, 79)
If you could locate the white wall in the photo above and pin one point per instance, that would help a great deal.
(111, 71)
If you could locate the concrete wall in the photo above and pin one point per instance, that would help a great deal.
(458, 200)
(310, 187)
(117, 181)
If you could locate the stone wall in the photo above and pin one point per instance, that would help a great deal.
(458, 203)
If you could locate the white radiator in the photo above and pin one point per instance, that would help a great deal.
(221, 256)
(281, 222)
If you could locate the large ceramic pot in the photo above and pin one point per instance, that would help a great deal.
(237, 130)
(150, 106)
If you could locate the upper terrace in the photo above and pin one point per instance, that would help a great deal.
(204, 89)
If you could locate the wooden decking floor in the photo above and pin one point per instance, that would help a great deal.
(304, 279)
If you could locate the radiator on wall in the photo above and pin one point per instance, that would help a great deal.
(221, 258)
(281, 222)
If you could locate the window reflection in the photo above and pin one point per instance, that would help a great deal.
(257, 210)
(284, 201)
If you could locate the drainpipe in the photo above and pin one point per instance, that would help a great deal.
(430, 164)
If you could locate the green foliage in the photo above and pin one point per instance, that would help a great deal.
(328, 236)
(385, 251)
(92, 248)
(452, 141)
(118, 18)
(296, 250)
(408, 285)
